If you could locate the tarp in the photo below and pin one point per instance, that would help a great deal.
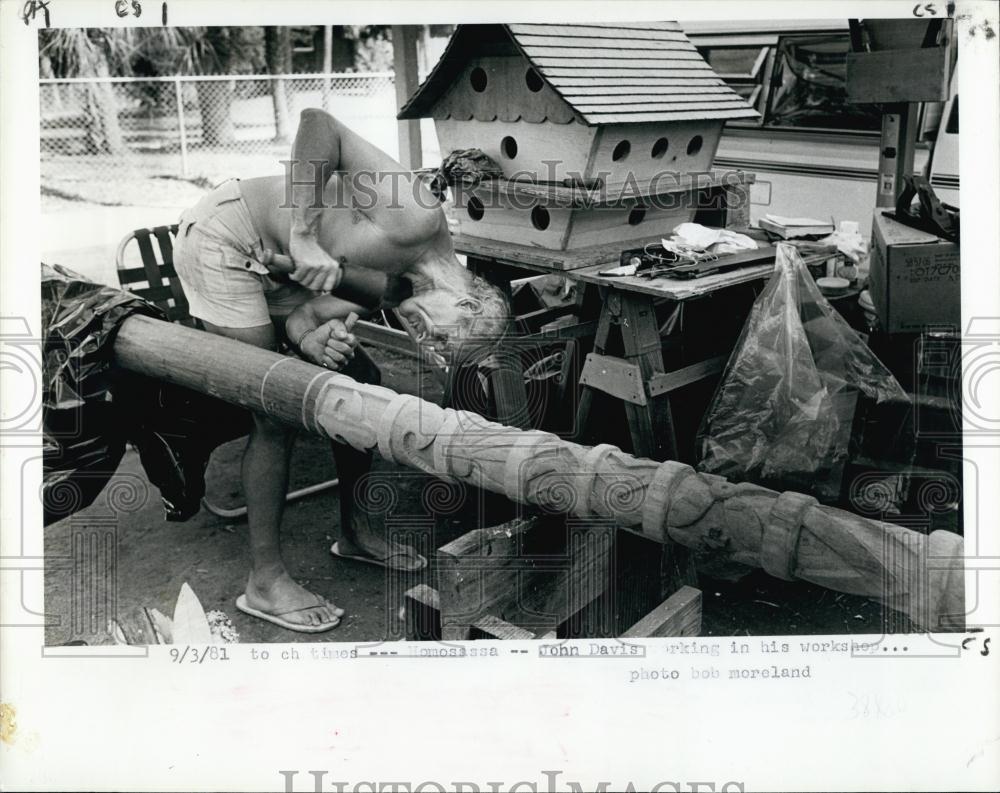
(91, 410)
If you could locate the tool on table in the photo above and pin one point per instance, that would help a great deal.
(931, 214)
(655, 261)
(362, 285)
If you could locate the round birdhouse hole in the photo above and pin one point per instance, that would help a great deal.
(478, 80)
(475, 208)
(621, 151)
(509, 147)
(540, 218)
(660, 148)
(637, 215)
(533, 80)
(694, 145)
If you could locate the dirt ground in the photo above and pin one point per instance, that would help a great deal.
(150, 558)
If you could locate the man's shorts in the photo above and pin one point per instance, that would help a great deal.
(217, 255)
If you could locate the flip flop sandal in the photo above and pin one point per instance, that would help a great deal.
(276, 619)
(335, 550)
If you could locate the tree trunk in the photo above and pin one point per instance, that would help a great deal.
(53, 97)
(278, 53)
(215, 101)
(215, 97)
(104, 133)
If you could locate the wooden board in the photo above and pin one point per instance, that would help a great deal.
(422, 613)
(678, 615)
(917, 75)
(519, 573)
(614, 376)
(585, 264)
(671, 381)
(676, 289)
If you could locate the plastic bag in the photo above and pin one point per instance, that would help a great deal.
(83, 439)
(90, 409)
(783, 411)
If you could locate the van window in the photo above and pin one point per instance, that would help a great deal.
(808, 86)
(742, 68)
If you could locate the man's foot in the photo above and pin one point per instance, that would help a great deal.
(279, 599)
(375, 550)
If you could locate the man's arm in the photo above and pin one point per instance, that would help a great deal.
(315, 157)
(380, 189)
(317, 330)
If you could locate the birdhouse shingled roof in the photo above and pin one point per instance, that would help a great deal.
(606, 73)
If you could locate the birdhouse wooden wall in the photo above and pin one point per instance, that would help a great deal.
(501, 105)
(615, 153)
(596, 105)
(523, 220)
(643, 151)
(523, 149)
(566, 229)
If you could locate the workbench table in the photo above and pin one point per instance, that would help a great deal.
(636, 376)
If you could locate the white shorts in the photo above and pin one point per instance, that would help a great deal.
(217, 255)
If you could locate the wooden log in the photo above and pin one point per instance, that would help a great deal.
(788, 534)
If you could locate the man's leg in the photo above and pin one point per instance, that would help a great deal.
(358, 535)
(270, 588)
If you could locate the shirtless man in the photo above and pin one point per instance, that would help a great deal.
(373, 214)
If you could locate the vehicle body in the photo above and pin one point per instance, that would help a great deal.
(814, 153)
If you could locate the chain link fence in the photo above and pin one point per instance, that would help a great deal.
(162, 141)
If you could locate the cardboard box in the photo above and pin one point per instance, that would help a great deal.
(915, 278)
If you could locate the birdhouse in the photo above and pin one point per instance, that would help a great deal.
(609, 116)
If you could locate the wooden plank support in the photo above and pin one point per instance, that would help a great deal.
(533, 321)
(490, 627)
(670, 381)
(422, 613)
(678, 615)
(566, 333)
(614, 376)
(522, 573)
(788, 534)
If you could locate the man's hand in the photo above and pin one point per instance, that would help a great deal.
(330, 345)
(315, 269)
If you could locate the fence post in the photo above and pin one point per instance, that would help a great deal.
(180, 124)
(327, 64)
(404, 60)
